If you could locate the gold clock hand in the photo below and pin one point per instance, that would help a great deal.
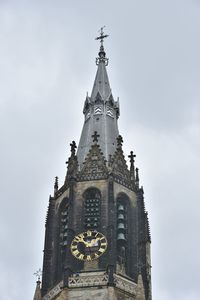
(93, 242)
(87, 244)
(81, 239)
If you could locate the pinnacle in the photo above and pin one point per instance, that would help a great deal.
(140, 289)
(37, 295)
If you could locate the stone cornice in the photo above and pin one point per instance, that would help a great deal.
(88, 279)
(125, 284)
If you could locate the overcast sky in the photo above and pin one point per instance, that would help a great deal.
(47, 64)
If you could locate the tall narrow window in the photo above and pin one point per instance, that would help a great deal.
(63, 224)
(62, 237)
(122, 230)
(92, 204)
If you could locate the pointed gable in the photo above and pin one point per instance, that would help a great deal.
(98, 98)
(111, 100)
(119, 167)
(94, 166)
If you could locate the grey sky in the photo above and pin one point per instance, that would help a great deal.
(47, 64)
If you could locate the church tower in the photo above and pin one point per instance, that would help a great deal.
(97, 239)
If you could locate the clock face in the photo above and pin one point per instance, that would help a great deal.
(88, 245)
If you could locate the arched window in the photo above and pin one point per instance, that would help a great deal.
(92, 205)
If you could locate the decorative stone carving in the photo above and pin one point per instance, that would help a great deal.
(119, 169)
(54, 292)
(72, 167)
(88, 279)
(93, 279)
(94, 165)
(125, 285)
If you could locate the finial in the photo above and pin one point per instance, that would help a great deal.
(95, 136)
(102, 54)
(137, 174)
(56, 184)
(119, 141)
(137, 177)
(38, 274)
(73, 148)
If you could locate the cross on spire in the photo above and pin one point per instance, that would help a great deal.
(102, 54)
(102, 36)
(95, 136)
(38, 274)
(132, 156)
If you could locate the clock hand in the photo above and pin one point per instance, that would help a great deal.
(81, 239)
(92, 242)
(87, 244)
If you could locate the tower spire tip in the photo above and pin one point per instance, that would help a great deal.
(38, 274)
(102, 53)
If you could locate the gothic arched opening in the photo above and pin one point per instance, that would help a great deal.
(62, 236)
(92, 209)
(122, 231)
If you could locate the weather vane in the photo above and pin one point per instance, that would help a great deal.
(102, 54)
(38, 274)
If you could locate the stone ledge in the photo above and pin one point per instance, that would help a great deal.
(93, 279)
(88, 279)
(125, 284)
(54, 292)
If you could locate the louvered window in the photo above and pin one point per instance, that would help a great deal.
(64, 216)
(122, 230)
(92, 204)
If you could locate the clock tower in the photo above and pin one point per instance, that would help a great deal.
(97, 239)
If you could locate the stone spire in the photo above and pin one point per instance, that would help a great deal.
(101, 112)
(101, 85)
